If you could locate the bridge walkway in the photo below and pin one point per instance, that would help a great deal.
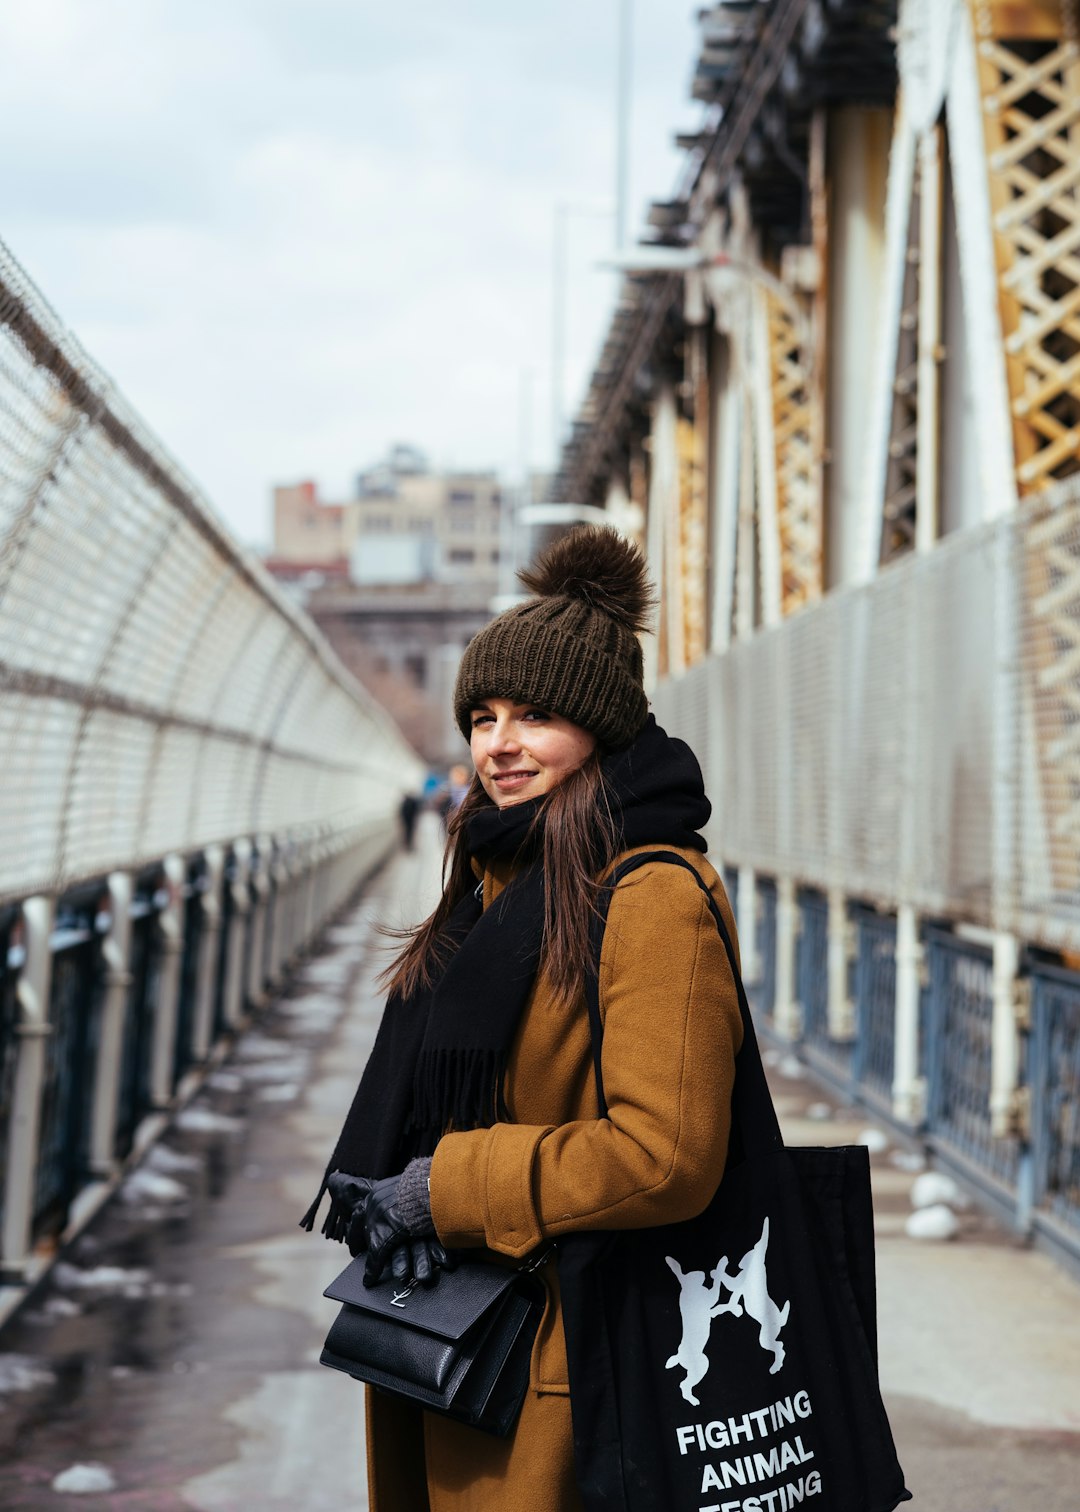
(173, 1353)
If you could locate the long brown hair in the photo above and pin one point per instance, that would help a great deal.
(576, 837)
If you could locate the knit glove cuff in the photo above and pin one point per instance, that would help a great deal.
(413, 1200)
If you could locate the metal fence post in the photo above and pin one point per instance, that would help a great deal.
(1011, 1016)
(279, 919)
(747, 925)
(307, 895)
(909, 1088)
(33, 1028)
(787, 1011)
(260, 887)
(234, 962)
(171, 924)
(841, 1009)
(116, 955)
(210, 903)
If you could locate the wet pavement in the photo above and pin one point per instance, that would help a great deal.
(170, 1360)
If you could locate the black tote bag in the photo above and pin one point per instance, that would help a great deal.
(729, 1363)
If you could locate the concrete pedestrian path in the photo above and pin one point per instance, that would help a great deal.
(170, 1361)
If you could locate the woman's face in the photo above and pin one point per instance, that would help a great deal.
(519, 751)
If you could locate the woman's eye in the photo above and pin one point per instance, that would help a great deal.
(536, 714)
(480, 719)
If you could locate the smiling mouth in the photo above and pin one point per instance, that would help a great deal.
(512, 779)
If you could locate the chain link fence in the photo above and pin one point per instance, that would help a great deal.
(903, 762)
(192, 782)
(157, 692)
(916, 739)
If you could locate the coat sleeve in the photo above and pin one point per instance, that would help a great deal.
(671, 1032)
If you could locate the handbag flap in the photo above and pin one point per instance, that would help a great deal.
(449, 1308)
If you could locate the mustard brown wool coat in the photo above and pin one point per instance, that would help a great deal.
(671, 1033)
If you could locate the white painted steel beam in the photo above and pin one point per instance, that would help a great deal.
(928, 422)
(1008, 1112)
(971, 194)
(234, 984)
(749, 956)
(116, 955)
(880, 360)
(787, 1011)
(202, 1033)
(171, 928)
(909, 1087)
(24, 1118)
(841, 1009)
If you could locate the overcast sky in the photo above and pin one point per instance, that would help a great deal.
(295, 231)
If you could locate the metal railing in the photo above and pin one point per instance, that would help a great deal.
(873, 1063)
(1055, 1084)
(901, 762)
(763, 988)
(960, 1046)
(192, 781)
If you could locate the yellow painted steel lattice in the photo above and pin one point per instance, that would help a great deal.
(1029, 77)
(798, 467)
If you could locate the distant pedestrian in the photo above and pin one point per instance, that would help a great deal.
(454, 793)
(477, 1118)
(408, 813)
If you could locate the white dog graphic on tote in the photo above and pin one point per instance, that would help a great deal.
(699, 1304)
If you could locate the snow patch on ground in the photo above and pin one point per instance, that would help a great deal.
(117, 1281)
(875, 1140)
(83, 1480)
(819, 1111)
(351, 934)
(791, 1067)
(103, 1278)
(23, 1373)
(933, 1188)
(310, 1003)
(289, 1068)
(929, 1223)
(225, 1081)
(312, 1015)
(145, 1186)
(333, 969)
(907, 1160)
(281, 1092)
(53, 1310)
(204, 1121)
(255, 1047)
(170, 1162)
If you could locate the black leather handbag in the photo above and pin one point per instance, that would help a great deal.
(461, 1347)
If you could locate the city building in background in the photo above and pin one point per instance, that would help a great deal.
(400, 577)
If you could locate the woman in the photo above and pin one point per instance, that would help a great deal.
(478, 1110)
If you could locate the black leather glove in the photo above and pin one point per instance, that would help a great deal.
(389, 1241)
(377, 1226)
(352, 1193)
(417, 1260)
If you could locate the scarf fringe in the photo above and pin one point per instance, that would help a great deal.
(308, 1220)
(456, 1089)
(336, 1223)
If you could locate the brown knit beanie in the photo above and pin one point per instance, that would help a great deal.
(573, 650)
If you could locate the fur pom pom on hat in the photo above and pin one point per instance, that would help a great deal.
(573, 649)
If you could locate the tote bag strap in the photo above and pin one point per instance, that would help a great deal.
(753, 1117)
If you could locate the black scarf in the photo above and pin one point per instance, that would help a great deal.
(439, 1056)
